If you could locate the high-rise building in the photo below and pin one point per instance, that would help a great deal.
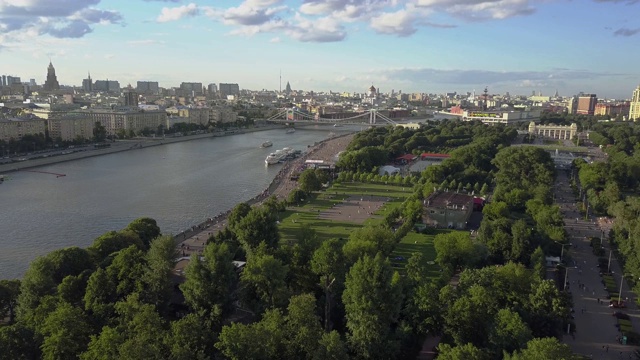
(287, 89)
(130, 97)
(87, 84)
(32, 82)
(229, 89)
(106, 85)
(634, 109)
(191, 88)
(3, 80)
(587, 104)
(212, 89)
(52, 81)
(148, 87)
(11, 80)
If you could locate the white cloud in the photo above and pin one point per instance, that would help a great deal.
(146, 42)
(177, 13)
(319, 30)
(479, 9)
(275, 40)
(61, 18)
(398, 23)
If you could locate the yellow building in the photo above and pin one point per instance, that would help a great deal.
(17, 128)
(634, 109)
(128, 119)
(71, 128)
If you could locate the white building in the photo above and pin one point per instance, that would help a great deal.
(501, 117)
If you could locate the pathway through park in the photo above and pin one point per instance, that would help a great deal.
(596, 335)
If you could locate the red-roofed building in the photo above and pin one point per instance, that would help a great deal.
(434, 156)
(405, 159)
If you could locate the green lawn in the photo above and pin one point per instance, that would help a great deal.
(292, 220)
(414, 242)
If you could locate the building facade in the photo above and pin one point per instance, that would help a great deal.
(87, 84)
(612, 109)
(106, 86)
(634, 107)
(17, 128)
(448, 210)
(223, 114)
(228, 89)
(562, 132)
(191, 88)
(127, 119)
(148, 87)
(587, 104)
(501, 117)
(71, 127)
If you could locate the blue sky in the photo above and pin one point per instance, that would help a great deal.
(434, 46)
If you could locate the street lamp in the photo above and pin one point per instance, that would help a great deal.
(562, 251)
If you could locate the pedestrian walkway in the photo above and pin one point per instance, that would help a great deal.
(596, 335)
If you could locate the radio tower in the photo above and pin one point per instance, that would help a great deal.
(486, 97)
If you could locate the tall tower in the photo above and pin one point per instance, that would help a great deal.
(87, 84)
(52, 81)
(634, 107)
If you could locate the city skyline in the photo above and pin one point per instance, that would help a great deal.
(431, 46)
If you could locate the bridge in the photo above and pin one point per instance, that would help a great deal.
(292, 115)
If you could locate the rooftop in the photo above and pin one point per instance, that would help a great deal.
(441, 199)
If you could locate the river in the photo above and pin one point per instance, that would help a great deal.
(177, 184)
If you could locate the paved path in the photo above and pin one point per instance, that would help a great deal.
(596, 334)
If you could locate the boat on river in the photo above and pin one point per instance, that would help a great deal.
(267, 144)
(280, 156)
(290, 131)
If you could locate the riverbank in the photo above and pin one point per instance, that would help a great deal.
(195, 238)
(120, 146)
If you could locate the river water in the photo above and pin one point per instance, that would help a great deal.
(178, 185)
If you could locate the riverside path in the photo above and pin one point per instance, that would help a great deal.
(596, 335)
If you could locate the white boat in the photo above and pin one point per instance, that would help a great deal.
(337, 125)
(290, 131)
(267, 144)
(278, 156)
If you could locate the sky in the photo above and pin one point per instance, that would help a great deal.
(431, 46)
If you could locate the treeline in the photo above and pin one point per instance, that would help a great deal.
(612, 188)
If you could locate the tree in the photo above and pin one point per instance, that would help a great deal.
(259, 226)
(160, 260)
(372, 300)
(331, 348)
(113, 241)
(495, 210)
(547, 310)
(237, 214)
(544, 348)
(266, 276)
(263, 340)
(99, 132)
(297, 197)
(308, 181)
(66, 333)
(468, 318)
(9, 290)
(302, 327)
(146, 228)
(537, 263)
(190, 338)
(509, 332)
(368, 240)
(328, 264)
(207, 288)
(466, 351)
(456, 250)
(44, 275)
(18, 342)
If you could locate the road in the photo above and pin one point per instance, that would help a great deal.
(596, 332)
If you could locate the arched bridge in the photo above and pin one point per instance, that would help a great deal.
(370, 117)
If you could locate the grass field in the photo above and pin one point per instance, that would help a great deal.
(422, 243)
(292, 220)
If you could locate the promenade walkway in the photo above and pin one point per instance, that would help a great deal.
(596, 335)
